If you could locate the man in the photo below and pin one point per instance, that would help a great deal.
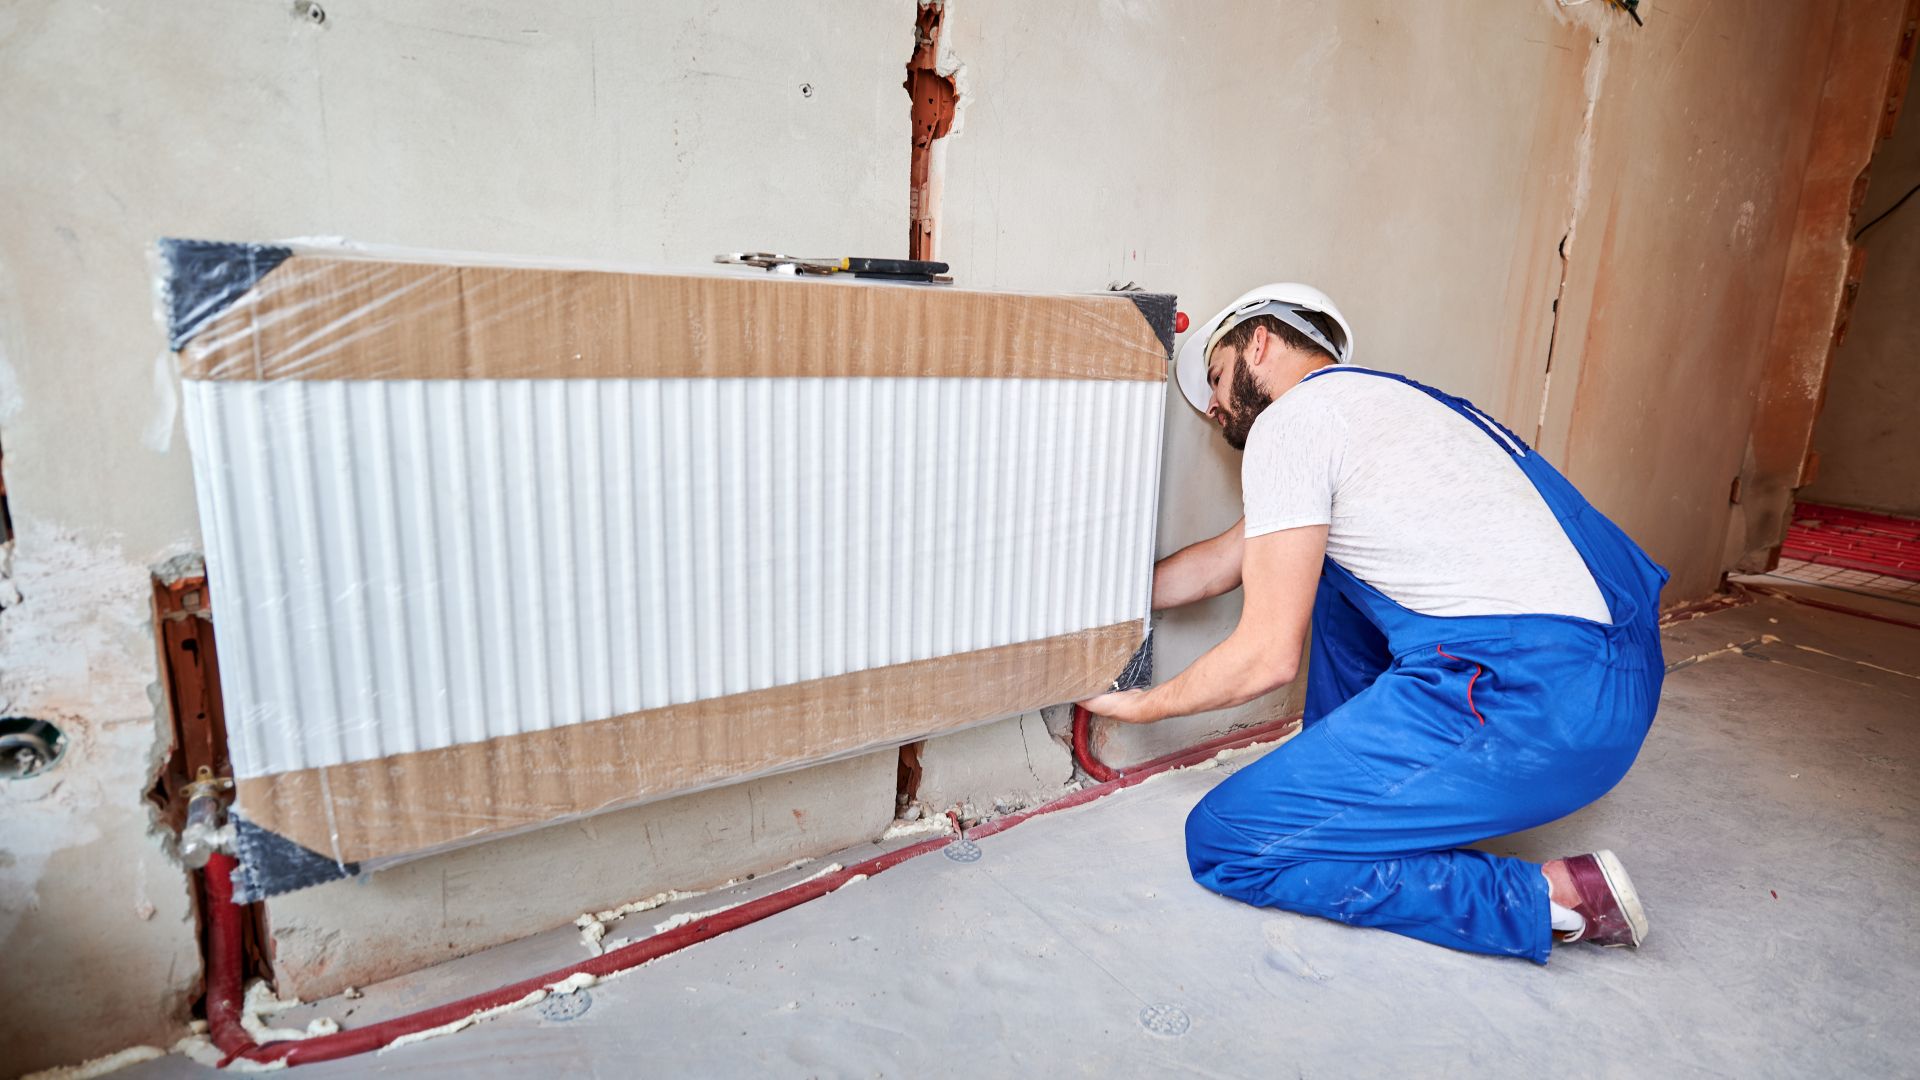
(1484, 655)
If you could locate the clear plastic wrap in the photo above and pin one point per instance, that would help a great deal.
(492, 545)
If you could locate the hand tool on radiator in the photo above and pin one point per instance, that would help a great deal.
(921, 270)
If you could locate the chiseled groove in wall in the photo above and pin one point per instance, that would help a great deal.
(405, 565)
(1594, 77)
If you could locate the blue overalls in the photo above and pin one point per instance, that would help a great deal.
(1425, 733)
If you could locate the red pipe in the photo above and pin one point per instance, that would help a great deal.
(1083, 748)
(1193, 755)
(1083, 755)
(223, 980)
(223, 1010)
(223, 959)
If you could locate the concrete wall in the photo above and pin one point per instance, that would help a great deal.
(1868, 436)
(660, 132)
(1427, 165)
(1422, 162)
(1413, 160)
(351, 933)
(1855, 104)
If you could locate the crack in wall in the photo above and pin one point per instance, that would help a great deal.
(1594, 77)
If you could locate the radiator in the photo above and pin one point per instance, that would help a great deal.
(491, 547)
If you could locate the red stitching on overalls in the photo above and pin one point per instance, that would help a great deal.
(1476, 677)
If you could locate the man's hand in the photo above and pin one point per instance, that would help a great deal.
(1126, 706)
(1279, 572)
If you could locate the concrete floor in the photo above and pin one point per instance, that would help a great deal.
(1772, 824)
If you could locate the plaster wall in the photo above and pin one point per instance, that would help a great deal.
(1415, 161)
(358, 931)
(1868, 437)
(1425, 163)
(1822, 269)
(1579, 223)
(663, 132)
(1704, 328)
(996, 767)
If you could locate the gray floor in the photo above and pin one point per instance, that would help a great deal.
(1772, 822)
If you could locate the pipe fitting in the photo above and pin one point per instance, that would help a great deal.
(206, 830)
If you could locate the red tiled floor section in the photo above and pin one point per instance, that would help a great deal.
(1855, 539)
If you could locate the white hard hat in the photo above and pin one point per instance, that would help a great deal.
(1283, 300)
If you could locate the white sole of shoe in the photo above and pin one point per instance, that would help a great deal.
(1624, 892)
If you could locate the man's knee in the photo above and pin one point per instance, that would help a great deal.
(1211, 842)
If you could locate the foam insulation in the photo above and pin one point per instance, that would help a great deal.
(688, 917)
(100, 1066)
(929, 825)
(830, 868)
(260, 1003)
(200, 1049)
(593, 924)
(577, 981)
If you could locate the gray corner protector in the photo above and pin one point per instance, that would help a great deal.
(1157, 309)
(271, 864)
(201, 278)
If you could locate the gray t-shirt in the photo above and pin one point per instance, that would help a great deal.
(1418, 501)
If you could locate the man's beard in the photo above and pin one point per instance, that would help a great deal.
(1250, 402)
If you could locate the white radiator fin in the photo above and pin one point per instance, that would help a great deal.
(409, 565)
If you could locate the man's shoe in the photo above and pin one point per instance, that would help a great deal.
(1607, 901)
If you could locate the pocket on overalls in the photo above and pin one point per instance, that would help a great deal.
(1472, 670)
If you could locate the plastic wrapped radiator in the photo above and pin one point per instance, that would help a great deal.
(492, 546)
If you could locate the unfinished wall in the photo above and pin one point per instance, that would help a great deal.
(353, 932)
(1427, 164)
(1707, 259)
(1868, 436)
(1207, 149)
(1860, 88)
(662, 132)
(1423, 164)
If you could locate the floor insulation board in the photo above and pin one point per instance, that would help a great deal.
(1771, 824)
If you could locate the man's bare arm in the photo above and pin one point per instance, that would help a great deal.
(1282, 572)
(1199, 571)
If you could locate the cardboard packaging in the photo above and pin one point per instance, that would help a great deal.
(494, 546)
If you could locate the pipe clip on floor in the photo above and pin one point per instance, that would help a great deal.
(224, 960)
